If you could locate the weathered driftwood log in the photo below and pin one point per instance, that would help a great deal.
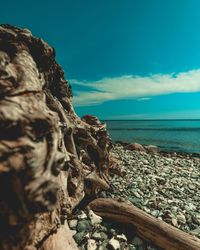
(49, 157)
(149, 228)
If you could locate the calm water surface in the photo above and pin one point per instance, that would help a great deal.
(172, 135)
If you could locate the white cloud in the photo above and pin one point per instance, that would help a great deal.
(137, 87)
(181, 114)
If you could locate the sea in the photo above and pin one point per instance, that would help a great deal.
(169, 135)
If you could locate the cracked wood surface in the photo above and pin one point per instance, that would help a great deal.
(49, 157)
(148, 227)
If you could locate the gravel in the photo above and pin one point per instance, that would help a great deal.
(165, 185)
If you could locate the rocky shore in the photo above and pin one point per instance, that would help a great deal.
(165, 185)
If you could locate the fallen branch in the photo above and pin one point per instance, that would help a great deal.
(147, 227)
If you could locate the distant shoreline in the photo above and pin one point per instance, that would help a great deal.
(160, 150)
(180, 135)
(109, 120)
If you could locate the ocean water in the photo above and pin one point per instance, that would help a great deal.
(169, 135)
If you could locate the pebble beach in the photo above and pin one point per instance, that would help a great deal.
(163, 184)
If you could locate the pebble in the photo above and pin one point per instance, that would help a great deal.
(73, 224)
(91, 245)
(79, 237)
(121, 237)
(164, 185)
(83, 226)
(196, 218)
(82, 216)
(95, 219)
(73, 232)
(174, 222)
(137, 241)
(96, 236)
(114, 244)
(181, 218)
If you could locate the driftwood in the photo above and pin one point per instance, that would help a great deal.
(149, 228)
(49, 157)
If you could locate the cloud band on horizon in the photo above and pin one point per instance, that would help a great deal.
(137, 87)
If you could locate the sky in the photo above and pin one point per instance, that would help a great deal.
(125, 59)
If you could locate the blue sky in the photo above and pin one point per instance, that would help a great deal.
(125, 59)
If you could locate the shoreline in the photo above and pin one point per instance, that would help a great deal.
(165, 185)
(160, 149)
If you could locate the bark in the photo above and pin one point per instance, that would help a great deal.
(49, 157)
(149, 228)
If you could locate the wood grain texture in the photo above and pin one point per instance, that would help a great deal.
(49, 157)
(148, 227)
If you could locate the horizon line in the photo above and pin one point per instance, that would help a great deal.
(169, 119)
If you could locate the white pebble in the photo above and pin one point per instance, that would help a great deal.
(95, 219)
(114, 244)
(91, 245)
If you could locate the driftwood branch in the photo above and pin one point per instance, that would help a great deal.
(49, 157)
(149, 228)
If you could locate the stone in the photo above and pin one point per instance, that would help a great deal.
(181, 218)
(121, 237)
(155, 213)
(137, 241)
(132, 247)
(152, 149)
(91, 244)
(145, 162)
(79, 237)
(84, 226)
(114, 244)
(112, 231)
(95, 219)
(196, 218)
(104, 245)
(103, 236)
(174, 222)
(73, 232)
(196, 231)
(82, 216)
(73, 223)
(135, 146)
(96, 236)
